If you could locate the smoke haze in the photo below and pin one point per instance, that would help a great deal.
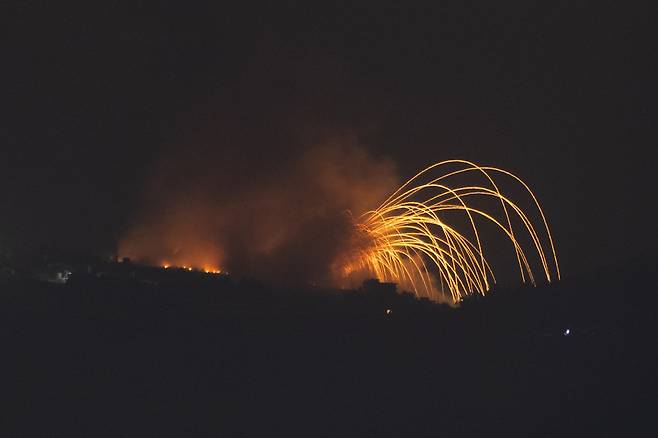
(287, 223)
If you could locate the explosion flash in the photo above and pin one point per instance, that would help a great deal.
(409, 240)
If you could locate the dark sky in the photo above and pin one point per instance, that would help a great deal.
(95, 94)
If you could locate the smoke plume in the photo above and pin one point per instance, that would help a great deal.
(284, 221)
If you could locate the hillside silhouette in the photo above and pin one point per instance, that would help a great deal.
(126, 354)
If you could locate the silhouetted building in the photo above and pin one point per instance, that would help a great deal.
(374, 286)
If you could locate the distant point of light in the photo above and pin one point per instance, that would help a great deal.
(567, 332)
(389, 311)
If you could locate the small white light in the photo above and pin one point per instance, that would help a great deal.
(567, 332)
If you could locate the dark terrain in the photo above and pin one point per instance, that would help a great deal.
(200, 356)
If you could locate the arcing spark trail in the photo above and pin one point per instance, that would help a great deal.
(409, 241)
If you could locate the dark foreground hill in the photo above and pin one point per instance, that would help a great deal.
(195, 357)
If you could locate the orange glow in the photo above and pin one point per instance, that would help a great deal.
(211, 270)
(206, 269)
(173, 251)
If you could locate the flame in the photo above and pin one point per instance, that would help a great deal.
(205, 269)
(211, 270)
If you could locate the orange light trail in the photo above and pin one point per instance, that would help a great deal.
(411, 243)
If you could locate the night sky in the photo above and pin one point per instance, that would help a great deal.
(96, 95)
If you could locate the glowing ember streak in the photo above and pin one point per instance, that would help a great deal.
(410, 242)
